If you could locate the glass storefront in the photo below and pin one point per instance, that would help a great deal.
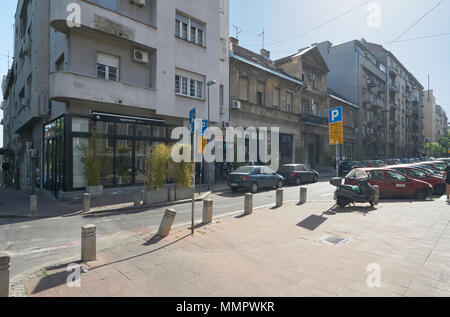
(124, 147)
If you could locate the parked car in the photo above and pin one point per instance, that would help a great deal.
(392, 183)
(347, 166)
(438, 167)
(392, 161)
(254, 178)
(365, 163)
(413, 172)
(298, 173)
(377, 163)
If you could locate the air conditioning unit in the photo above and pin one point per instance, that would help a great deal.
(226, 124)
(236, 104)
(139, 3)
(32, 153)
(29, 145)
(140, 57)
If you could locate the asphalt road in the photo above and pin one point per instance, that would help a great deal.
(35, 243)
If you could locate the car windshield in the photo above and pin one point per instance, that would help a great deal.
(244, 170)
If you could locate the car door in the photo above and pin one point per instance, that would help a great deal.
(257, 177)
(309, 174)
(400, 186)
(269, 177)
(379, 178)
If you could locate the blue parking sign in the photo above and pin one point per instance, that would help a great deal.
(192, 116)
(335, 115)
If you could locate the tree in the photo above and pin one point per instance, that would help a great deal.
(91, 160)
(159, 160)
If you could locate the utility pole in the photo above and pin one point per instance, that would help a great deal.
(237, 31)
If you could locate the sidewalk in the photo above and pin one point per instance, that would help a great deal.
(17, 204)
(279, 252)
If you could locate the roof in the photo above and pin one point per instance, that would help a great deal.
(256, 60)
(336, 96)
(302, 52)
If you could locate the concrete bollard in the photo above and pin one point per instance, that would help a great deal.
(167, 222)
(248, 204)
(279, 198)
(377, 194)
(207, 211)
(137, 198)
(4, 274)
(172, 190)
(303, 195)
(33, 205)
(86, 202)
(88, 243)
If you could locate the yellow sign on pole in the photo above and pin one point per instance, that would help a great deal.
(336, 134)
(201, 145)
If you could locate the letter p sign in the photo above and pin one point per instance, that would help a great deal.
(335, 115)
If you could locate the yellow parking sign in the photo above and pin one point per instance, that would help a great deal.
(336, 133)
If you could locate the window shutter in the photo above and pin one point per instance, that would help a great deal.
(108, 60)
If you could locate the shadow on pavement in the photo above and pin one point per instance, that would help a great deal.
(312, 222)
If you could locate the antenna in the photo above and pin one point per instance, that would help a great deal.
(428, 87)
(263, 34)
(237, 31)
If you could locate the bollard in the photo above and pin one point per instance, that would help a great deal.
(4, 274)
(207, 211)
(172, 193)
(137, 198)
(248, 204)
(33, 205)
(166, 223)
(303, 195)
(279, 198)
(377, 195)
(88, 243)
(87, 202)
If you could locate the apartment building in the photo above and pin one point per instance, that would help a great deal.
(290, 93)
(435, 121)
(405, 103)
(130, 72)
(360, 76)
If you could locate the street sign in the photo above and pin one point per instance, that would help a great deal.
(201, 126)
(192, 116)
(336, 127)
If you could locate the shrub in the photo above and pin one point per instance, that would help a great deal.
(183, 169)
(159, 159)
(91, 161)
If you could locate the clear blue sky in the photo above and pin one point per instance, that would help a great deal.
(284, 19)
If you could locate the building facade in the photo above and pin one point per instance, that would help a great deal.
(130, 71)
(435, 119)
(291, 94)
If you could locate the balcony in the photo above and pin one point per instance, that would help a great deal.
(312, 119)
(393, 89)
(94, 17)
(371, 83)
(65, 86)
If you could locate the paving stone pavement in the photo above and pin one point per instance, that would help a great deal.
(279, 252)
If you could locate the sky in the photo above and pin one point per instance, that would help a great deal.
(293, 24)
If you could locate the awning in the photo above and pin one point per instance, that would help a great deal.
(112, 117)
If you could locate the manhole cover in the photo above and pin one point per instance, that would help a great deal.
(335, 240)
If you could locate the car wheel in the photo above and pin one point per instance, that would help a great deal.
(255, 188)
(234, 189)
(316, 178)
(280, 184)
(298, 181)
(421, 194)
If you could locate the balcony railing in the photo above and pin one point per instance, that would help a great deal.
(309, 118)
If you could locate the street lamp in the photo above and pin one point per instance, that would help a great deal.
(209, 84)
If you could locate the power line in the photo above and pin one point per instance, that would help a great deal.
(423, 16)
(419, 38)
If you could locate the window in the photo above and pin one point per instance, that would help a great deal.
(260, 92)
(243, 89)
(417, 173)
(396, 176)
(188, 87)
(59, 65)
(377, 175)
(107, 67)
(276, 98)
(189, 30)
(289, 101)
(221, 96)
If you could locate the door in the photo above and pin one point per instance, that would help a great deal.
(269, 177)
(379, 178)
(309, 174)
(399, 183)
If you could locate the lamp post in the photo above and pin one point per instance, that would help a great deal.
(209, 84)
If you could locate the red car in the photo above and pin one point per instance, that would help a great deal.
(437, 182)
(392, 183)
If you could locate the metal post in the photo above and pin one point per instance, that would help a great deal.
(207, 164)
(4, 274)
(337, 161)
(88, 243)
(193, 148)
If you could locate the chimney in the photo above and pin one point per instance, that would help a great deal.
(265, 53)
(234, 41)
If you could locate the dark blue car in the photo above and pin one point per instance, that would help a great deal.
(253, 178)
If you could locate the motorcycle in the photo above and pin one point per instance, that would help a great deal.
(347, 194)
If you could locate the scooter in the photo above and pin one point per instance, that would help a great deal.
(347, 194)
